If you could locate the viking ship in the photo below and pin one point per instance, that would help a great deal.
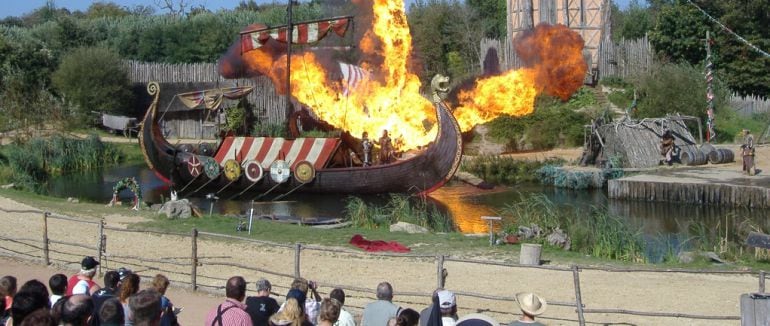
(252, 167)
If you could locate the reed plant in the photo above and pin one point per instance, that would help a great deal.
(595, 232)
(398, 208)
(506, 170)
(33, 162)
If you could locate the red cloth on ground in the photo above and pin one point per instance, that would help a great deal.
(377, 245)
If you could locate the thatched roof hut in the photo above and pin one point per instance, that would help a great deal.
(636, 143)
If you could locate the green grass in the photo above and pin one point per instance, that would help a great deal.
(454, 244)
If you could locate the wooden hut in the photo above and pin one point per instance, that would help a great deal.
(636, 143)
(182, 122)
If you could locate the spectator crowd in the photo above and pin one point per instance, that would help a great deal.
(79, 300)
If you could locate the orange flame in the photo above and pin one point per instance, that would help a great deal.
(552, 55)
(389, 97)
(391, 102)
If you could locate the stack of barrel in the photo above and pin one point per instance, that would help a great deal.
(707, 153)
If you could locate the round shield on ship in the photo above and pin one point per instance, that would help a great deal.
(194, 166)
(279, 171)
(210, 167)
(232, 170)
(253, 170)
(304, 172)
(205, 149)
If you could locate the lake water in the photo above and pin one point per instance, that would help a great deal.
(464, 203)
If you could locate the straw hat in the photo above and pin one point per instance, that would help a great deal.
(531, 304)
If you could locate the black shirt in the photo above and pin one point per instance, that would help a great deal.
(260, 309)
(99, 298)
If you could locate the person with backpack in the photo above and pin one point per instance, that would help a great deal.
(232, 312)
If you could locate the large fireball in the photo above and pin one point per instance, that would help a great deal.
(388, 96)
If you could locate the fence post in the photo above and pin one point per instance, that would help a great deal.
(578, 298)
(761, 281)
(100, 247)
(194, 260)
(297, 252)
(440, 271)
(45, 238)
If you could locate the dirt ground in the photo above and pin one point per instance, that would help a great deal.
(706, 294)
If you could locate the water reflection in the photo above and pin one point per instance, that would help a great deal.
(465, 204)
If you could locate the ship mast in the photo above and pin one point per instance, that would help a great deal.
(289, 37)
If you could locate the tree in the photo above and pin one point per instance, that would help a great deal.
(679, 34)
(491, 16)
(106, 9)
(175, 8)
(92, 79)
(637, 21)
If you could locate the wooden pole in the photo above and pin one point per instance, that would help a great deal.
(45, 238)
(100, 246)
(297, 254)
(578, 298)
(761, 281)
(194, 260)
(440, 271)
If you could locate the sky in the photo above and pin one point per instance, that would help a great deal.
(21, 7)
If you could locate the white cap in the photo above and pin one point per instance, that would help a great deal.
(446, 299)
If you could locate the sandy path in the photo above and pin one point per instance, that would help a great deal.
(685, 293)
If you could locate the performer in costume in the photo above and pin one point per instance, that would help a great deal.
(386, 148)
(747, 151)
(366, 146)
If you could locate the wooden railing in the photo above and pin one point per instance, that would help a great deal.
(184, 266)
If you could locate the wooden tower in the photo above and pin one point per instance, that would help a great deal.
(589, 18)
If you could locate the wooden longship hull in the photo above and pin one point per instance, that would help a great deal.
(423, 173)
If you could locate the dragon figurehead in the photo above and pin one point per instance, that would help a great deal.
(440, 86)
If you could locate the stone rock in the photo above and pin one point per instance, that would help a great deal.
(559, 239)
(407, 227)
(713, 257)
(73, 200)
(533, 231)
(156, 207)
(686, 257)
(8, 186)
(176, 209)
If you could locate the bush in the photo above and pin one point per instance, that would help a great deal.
(676, 88)
(506, 170)
(92, 79)
(554, 123)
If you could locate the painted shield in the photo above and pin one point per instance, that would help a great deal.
(232, 170)
(304, 172)
(210, 167)
(279, 171)
(253, 170)
(194, 166)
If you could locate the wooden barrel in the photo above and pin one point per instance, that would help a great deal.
(707, 148)
(693, 157)
(722, 155)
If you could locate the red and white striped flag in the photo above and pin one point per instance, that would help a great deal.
(352, 77)
(302, 33)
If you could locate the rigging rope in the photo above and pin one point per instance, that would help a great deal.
(725, 28)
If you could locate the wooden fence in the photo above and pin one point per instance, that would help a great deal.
(747, 106)
(269, 107)
(186, 269)
(621, 59)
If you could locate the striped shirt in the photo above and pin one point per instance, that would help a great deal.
(233, 313)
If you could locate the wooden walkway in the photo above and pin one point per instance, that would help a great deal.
(711, 186)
